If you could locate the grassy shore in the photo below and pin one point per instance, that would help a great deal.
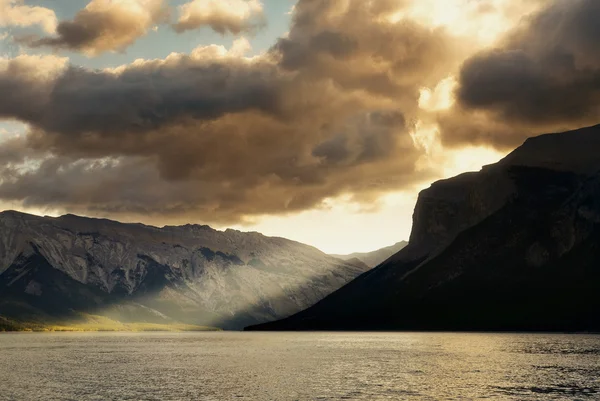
(93, 323)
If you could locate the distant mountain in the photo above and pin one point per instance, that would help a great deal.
(66, 268)
(513, 247)
(374, 258)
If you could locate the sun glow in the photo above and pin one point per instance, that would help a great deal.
(439, 98)
(483, 22)
(345, 226)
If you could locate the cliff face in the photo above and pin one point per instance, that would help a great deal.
(51, 267)
(448, 207)
(513, 247)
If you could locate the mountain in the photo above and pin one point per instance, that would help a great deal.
(66, 268)
(374, 258)
(515, 246)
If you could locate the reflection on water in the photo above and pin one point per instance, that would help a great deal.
(303, 366)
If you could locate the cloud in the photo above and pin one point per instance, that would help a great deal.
(223, 16)
(481, 22)
(544, 76)
(30, 81)
(15, 13)
(74, 103)
(346, 104)
(104, 25)
(219, 137)
(223, 163)
(356, 46)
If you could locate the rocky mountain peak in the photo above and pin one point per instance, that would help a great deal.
(193, 273)
(574, 151)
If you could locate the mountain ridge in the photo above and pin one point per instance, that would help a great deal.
(188, 274)
(374, 258)
(512, 247)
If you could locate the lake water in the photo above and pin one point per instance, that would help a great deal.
(303, 366)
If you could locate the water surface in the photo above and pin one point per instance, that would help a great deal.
(299, 366)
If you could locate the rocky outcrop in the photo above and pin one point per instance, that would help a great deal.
(51, 267)
(372, 259)
(513, 247)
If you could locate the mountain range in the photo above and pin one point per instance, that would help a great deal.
(515, 246)
(71, 268)
(374, 258)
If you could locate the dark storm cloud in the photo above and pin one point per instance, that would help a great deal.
(14, 151)
(368, 137)
(141, 97)
(218, 137)
(544, 76)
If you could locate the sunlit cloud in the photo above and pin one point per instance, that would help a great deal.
(104, 25)
(482, 22)
(441, 97)
(223, 16)
(17, 13)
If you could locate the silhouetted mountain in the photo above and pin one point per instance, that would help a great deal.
(374, 258)
(54, 269)
(513, 247)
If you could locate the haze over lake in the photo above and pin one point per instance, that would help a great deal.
(299, 366)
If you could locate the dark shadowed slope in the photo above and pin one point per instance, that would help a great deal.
(56, 269)
(377, 257)
(513, 247)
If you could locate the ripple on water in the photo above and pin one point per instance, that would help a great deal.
(299, 366)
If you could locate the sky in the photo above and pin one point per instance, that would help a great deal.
(314, 120)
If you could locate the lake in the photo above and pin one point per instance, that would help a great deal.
(299, 366)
